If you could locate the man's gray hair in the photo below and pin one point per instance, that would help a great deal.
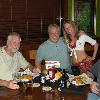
(53, 25)
(11, 35)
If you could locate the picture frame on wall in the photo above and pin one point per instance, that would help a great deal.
(84, 15)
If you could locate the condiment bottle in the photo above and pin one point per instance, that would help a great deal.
(51, 73)
(63, 80)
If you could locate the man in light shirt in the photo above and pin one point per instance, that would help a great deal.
(11, 60)
(54, 49)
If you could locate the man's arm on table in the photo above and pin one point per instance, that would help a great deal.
(9, 84)
(94, 85)
(89, 74)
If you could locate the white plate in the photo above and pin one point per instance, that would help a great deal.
(46, 88)
(84, 79)
(36, 85)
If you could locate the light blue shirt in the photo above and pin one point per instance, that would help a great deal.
(54, 51)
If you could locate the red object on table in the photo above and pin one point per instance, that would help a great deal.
(51, 73)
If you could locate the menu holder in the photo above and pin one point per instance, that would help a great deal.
(52, 64)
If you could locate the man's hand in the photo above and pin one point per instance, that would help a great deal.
(37, 70)
(94, 87)
(12, 85)
(89, 74)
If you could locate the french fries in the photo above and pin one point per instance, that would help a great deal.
(25, 77)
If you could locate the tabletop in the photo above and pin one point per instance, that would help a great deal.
(39, 94)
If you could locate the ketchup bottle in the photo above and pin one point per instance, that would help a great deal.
(51, 73)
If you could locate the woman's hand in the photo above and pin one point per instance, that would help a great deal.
(81, 32)
(94, 87)
(91, 58)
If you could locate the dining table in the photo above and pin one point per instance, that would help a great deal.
(38, 94)
(71, 92)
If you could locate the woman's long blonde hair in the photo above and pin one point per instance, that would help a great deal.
(66, 35)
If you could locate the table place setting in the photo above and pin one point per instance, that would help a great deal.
(49, 76)
(25, 81)
(51, 80)
(47, 84)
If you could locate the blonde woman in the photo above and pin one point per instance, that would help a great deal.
(76, 41)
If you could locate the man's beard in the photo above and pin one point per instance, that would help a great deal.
(15, 50)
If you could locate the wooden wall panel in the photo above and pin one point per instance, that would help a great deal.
(28, 17)
(5, 16)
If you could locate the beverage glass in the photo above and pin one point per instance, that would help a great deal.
(28, 90)
(17, 76)
(24, 80)
(75, 70)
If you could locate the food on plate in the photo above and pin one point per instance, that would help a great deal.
(29, 77)
(80, 79)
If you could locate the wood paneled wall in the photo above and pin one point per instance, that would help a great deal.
(28, 17)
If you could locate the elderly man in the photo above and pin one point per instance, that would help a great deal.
(11, 60)
(53, 49)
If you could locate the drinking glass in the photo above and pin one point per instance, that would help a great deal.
(28, 86)
(24, 80)
(17, 77)
(75, 70)
(27, 90)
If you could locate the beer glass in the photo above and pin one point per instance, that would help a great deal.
(28, 86)
(28, 90)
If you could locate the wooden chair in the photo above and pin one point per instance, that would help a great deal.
(32, 56)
